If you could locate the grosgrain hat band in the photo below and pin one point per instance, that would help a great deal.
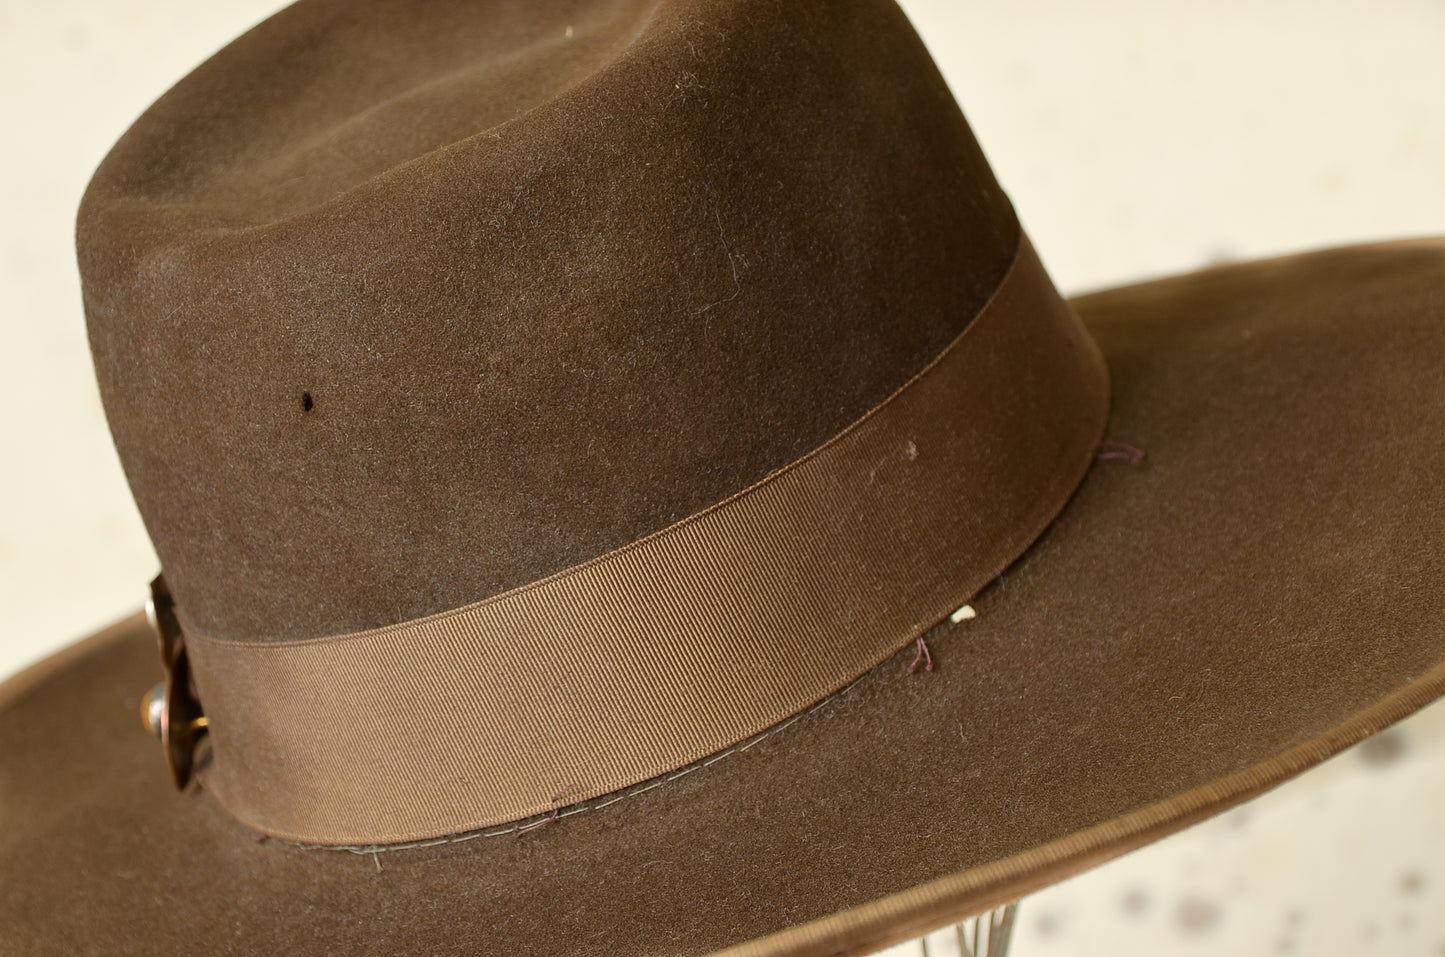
(664, 652)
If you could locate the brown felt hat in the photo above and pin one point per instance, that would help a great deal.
(621, 473)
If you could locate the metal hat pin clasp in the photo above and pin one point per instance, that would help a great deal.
(170, 710)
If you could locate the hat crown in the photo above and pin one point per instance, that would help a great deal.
(396, 308)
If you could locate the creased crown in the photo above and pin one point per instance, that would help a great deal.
(395, 306)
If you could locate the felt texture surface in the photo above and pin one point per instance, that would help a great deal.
(685, 643)
(1270, 573)
(396, 306)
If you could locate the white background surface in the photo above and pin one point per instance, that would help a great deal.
(1135, 138)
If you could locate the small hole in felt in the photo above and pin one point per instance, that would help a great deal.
(307, 403)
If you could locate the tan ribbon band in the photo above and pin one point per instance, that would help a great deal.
(684, 643)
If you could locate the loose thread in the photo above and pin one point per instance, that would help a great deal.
(924, 657)
(556, 809)
(377, 858)
(1118, 452)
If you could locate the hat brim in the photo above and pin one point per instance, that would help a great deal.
(1263, 591)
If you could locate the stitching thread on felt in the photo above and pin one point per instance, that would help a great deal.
(1118, 452)
(924, 656)
(556, 807)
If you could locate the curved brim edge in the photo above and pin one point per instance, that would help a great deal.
(946, 900)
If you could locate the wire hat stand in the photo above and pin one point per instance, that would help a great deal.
(986, 935)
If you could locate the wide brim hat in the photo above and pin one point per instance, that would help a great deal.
(1257, 592)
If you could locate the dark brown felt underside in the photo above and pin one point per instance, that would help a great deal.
(1274, 570)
